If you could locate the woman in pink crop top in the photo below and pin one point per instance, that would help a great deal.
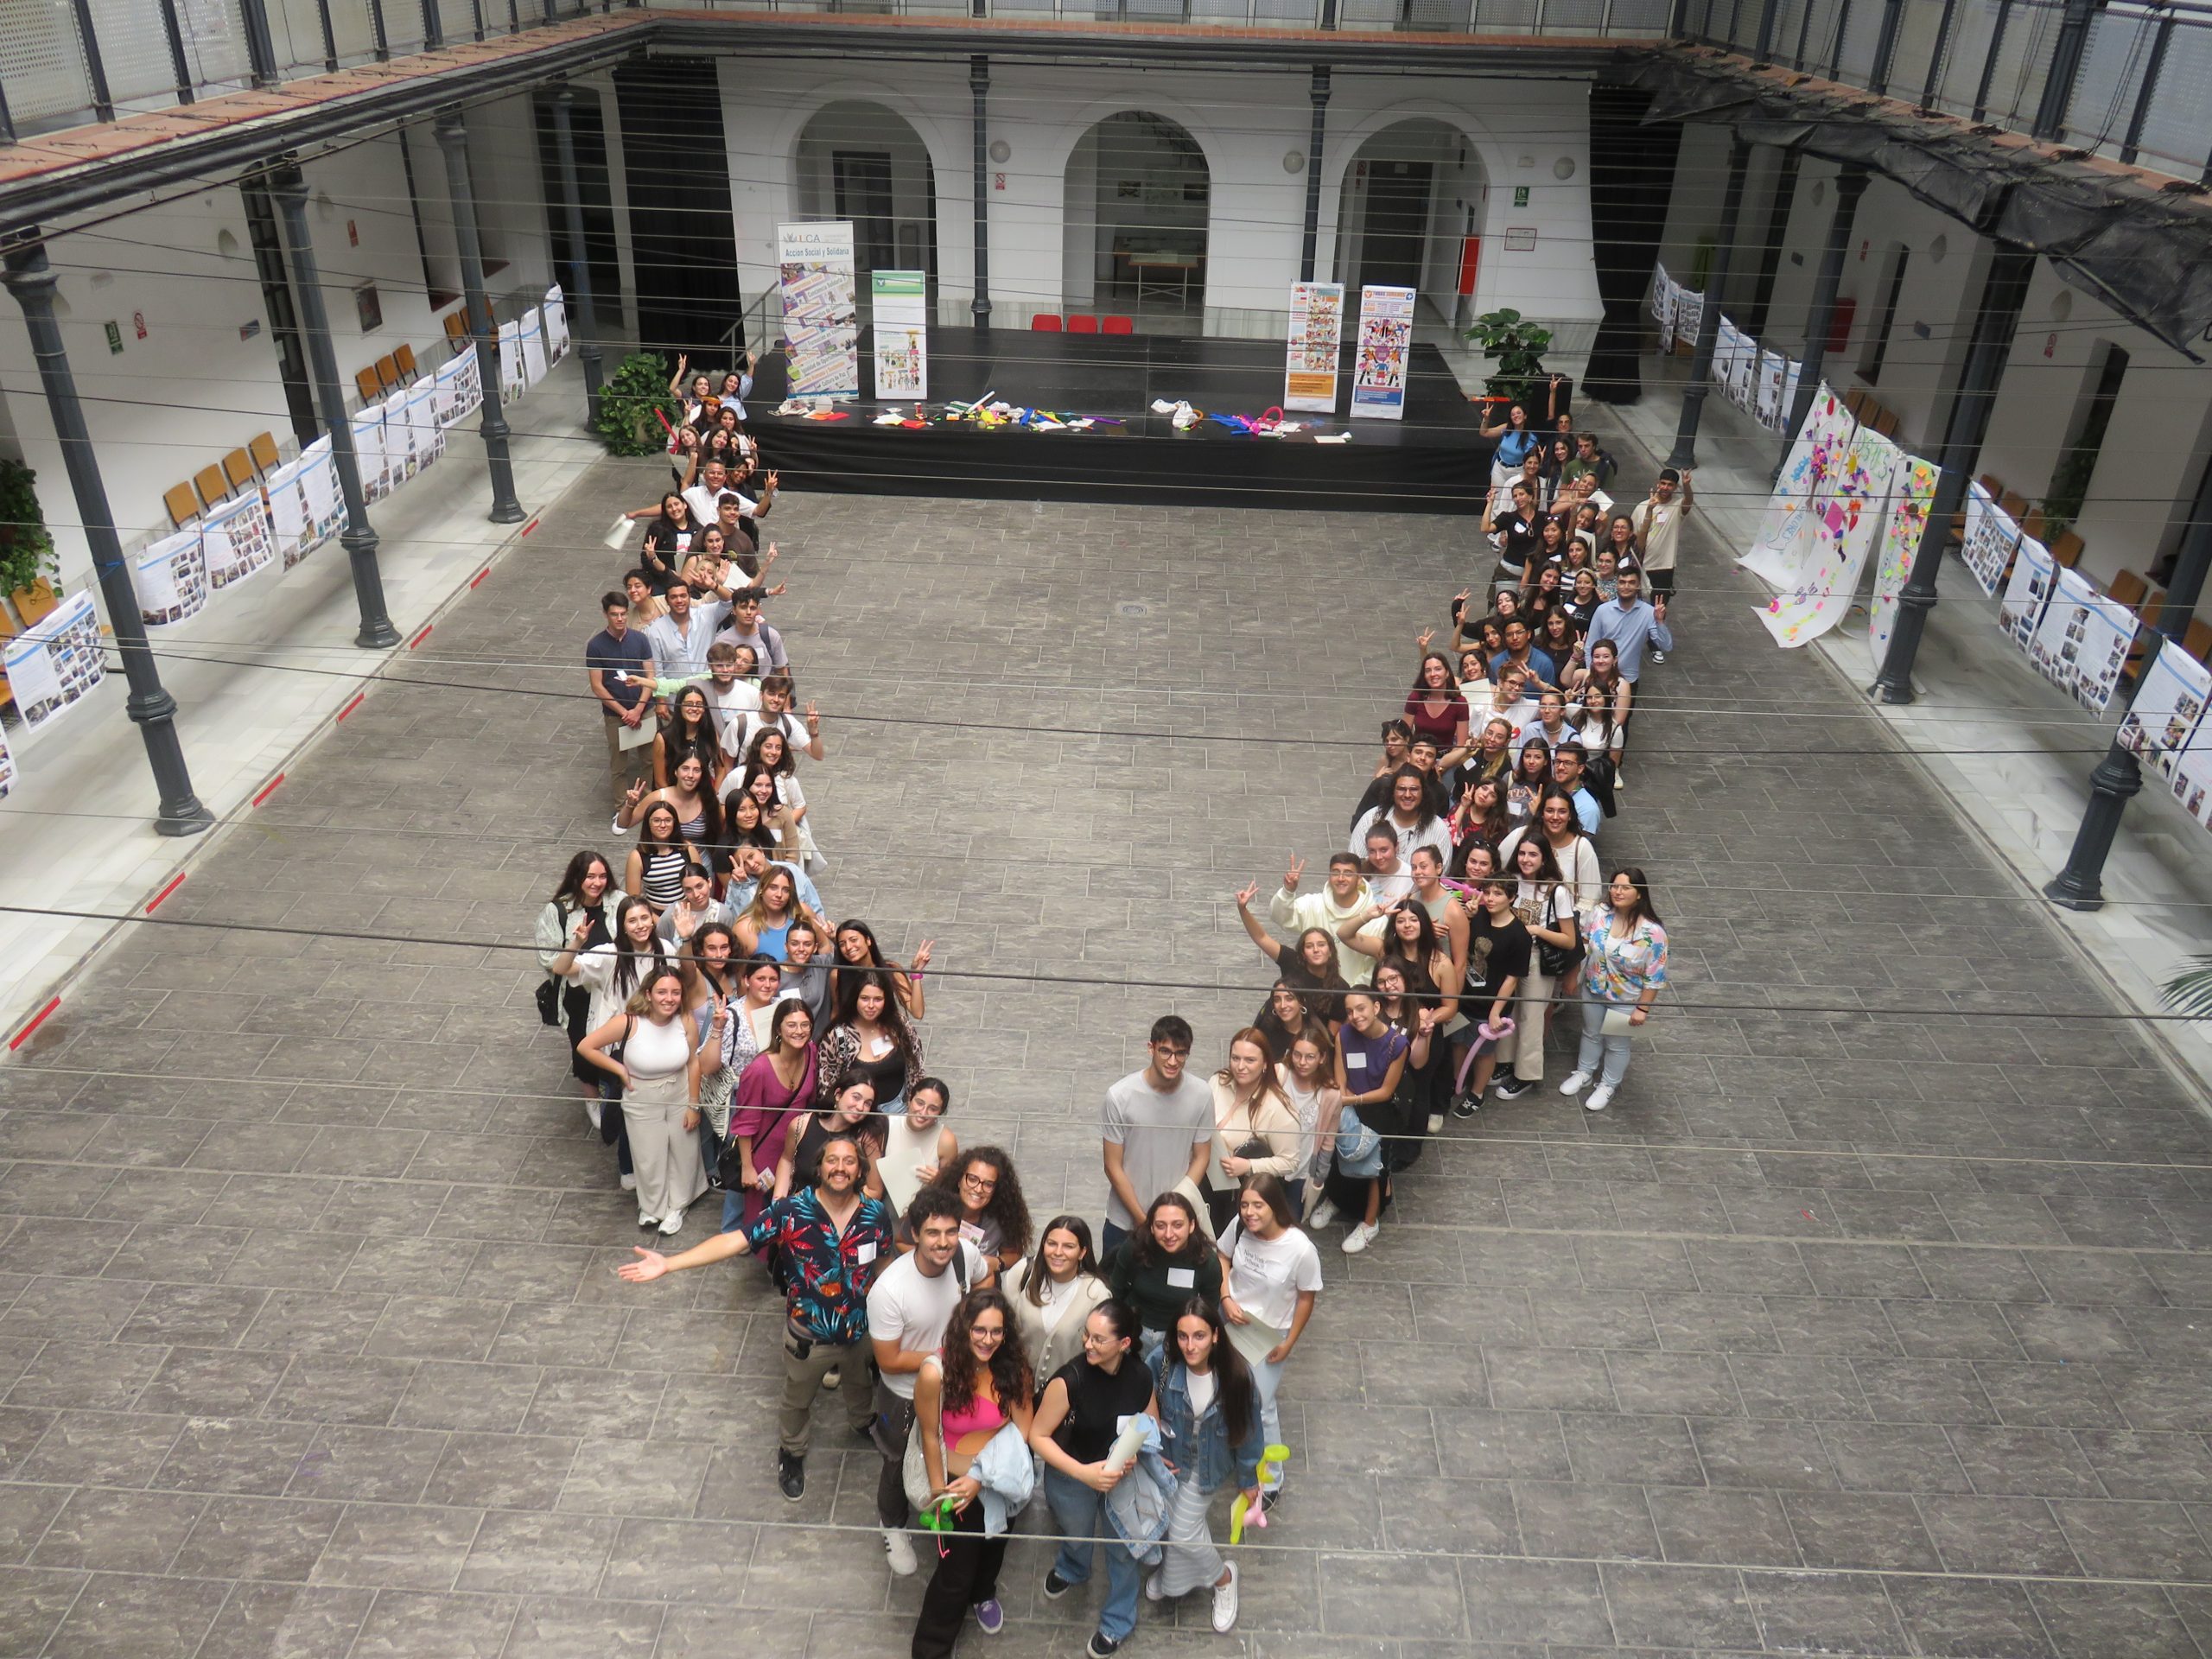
(978, 1383)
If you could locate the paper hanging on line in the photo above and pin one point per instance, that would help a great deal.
(236, 541)
(1837, 539)
(1912, 489)
(2169, 708)
(52, 664)
(1992, 535)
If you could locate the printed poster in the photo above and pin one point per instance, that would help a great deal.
(814, 266)
(902, 345)
(512, 383)
(2168, 709)
(291, 521)
(1386, 341)
(7, 768)
(1911, 488)
(556, 323)
(1789, 376)
(1662, 285)
(1991, 537)
(1689, 315)
(170, 578)
(423, 401)
(2192, 778)
(400, 439)
(461, 388)
(2020, 611)
(326, 503)
(531, 335)
(368, 452)
(1735, 358)
(236, 541)
(2081, 644)
(1317, 332)
(53, 664)
(1767, 380)
(1838, 536)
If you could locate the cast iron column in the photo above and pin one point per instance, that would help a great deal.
(2119, 776)
(1317, 94)
(453, 139)
(1819, 314)
(979, 83)
(1708, 323)
(288, 188)
(2003, 293)
(2065, 66)
(587, 329)
(32, 281)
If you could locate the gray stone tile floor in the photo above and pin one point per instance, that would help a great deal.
(1872, 1319)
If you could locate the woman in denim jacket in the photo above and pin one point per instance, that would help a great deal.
(1210, 1427)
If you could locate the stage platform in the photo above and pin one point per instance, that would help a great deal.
(1433, 461)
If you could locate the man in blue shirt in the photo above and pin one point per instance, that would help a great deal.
(1631, 625)
(1567, 761)
(1521, 652)
(620, 665)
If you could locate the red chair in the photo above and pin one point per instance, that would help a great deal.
(1045, 322)
(1120, 326)
(1079, 324)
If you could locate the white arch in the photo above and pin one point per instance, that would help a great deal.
(1071, 132)
(947, 159)
(1342, 148)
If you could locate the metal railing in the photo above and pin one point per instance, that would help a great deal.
(1625, 19)
(2139, 95)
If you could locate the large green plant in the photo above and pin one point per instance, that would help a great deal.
(1517, 346)
(26, 549)
(629, 403)
(2190, 991)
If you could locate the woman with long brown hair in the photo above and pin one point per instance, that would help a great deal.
(1255, 1130)
(660, 1074)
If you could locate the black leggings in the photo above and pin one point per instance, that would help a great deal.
(967, 1573)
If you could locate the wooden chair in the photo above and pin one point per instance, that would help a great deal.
(2196, 639)
(211, 484)
(263, 448)
(2035, 526)
(456, 329)
(1885, 421)
(36, 602)
(2149, 608)
(402, 359)
(2128, 589)
(365, 382)
(387, 373)
(1988, 482)
(1045, 322)
(2066, 549)
(1855, 401)
(183, 505)
(2147, 637)
(238, 467)
(2015, 508)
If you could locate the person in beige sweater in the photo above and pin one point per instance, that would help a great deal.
(1249, 1108)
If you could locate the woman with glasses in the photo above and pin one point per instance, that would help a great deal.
(994, 1216)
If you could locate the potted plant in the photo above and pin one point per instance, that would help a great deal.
(632, 404)
(26, 549)
(1517, 346)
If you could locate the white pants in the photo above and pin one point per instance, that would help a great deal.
(665, 1154)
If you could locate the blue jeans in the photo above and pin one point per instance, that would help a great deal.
(1080, 1516)
(1597, 1048)
(894, 1107)
(1110, 1235)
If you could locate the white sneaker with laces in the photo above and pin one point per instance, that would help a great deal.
(898, 1552)
(1598, 1097)
(671, 1224)
(1224, 1604)
(1323, 1213)
(1358, 1238)
(1575, 1083)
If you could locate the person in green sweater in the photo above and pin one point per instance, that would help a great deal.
(1162, 1265)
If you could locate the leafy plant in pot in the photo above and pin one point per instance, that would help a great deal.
(629, 403)
(1517, 346)
(26, 549)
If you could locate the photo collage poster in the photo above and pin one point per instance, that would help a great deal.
(170, 578)
(368, 452)
(1912, 488)
(1316, 344)
(236, 541)
(901, 323)
(1840, 535)
(2020, 611)
(1992, 535)
(7, 767)
(512, 383)
(1385, 343)
(2191, 781)
(814, 269)
(531, 335)
(556, 323)
(2169, 709)
(423, 401)
(53, 664)
(2080, 643)
(400, 441)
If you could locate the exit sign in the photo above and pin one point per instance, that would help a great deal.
(1520, 195)
(115, 339)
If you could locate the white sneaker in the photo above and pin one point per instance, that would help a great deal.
(592, 1111)
(1224, 1604)
(671, 1224)
(1599, 1096)
(898, 1552)
(1658, 655)
(1152, 1590)
(629, 1183)
(1356, 1240)
(1323, 1213)
(1575, 1083)
(646, 1218)
(1436, 1123)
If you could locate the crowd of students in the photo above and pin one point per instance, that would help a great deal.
(726, 1038)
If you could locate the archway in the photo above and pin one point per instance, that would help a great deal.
(1412, 193)
(1138, 196)
(857, 160)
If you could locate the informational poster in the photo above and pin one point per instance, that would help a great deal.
(1689, 315)
(237, 542)
(461, 388)
(7, 768)
(170, 578)
(902, 333)
(814, 266)
(1317, 334)
(1767, 380)
(2081, 644)
(326, 503)
(422, 402)
(1912, 487)
(53, 664)
(1790, 377)
(1839, 536)
(2169, 708)
(369, 454)
(2020, 611)
(1735, 356)
(1807, 474)
(400, 440)
(2192, 776)
(556, 323)
(291, 521)
(1991, 537)
(512, 383)
(531, 335)
(1665, 296)
(1386, 341)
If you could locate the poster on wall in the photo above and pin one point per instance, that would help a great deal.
(531, 335)
(1991, 537)
(2020, 611)
(1317, 334)
(1386, 341)
(422, 402)
(556, 323)
(902, 340)
(1912, 487)
(369, 452)
(237, 542)
(1839, 536)
(170, 578)
(814, 269)
(2081, 643)
(2168, 709)
(53, 664)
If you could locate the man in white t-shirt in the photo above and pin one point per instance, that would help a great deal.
(1657, 521)
(1156, 1130)
(908, 1308)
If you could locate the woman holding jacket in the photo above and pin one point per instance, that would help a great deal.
(1209, 1433)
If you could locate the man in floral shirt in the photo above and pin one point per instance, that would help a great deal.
(834, 1240)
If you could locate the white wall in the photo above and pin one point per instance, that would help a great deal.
(1247, 125)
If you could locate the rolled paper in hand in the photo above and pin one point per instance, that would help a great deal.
(1127, 1444)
